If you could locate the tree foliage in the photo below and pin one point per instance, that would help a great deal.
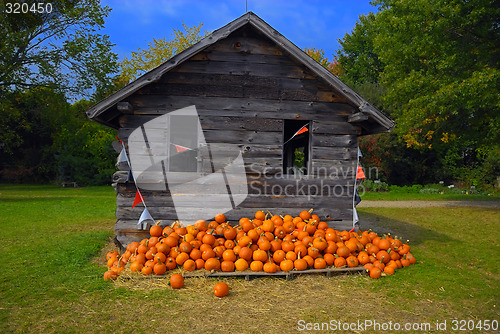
(319, 56)
(60, 49)
(357, 57)
(47, 139)
(437, 63)
(159, 51)
(46, 58)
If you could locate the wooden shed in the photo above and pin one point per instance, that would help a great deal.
(254, 89)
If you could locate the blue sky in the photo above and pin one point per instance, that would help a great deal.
(133, 23)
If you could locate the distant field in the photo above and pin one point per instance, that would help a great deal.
(51, 279)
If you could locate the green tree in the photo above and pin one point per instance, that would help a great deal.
(29, 127)
(359, 61)
(159, 51)
(436, 64)
(84, 152)
(60, 49)
(441, 70)
(47, 139)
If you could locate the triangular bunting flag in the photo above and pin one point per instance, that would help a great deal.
(360, 174)
(302, 130)
(138, 198)
(144, 216)
(180, 148)
(122, 158)
(359, 153)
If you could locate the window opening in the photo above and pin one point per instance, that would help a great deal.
(295, 147)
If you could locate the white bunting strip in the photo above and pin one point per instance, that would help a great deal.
(143, 218)
(145, 213)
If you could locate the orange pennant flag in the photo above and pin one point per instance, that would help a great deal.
(180, 148)
(360, 174)
(302, 130)
(138, 198)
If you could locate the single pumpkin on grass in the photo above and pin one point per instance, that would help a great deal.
(221, 289)
(176, 281)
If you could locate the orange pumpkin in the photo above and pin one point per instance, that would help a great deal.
(212, 264)
(221, 290)
(176, 281)
(286, 265)
(256, 265)
(189, 265)
(160, 268)
(241, 264)
(227, 266)
(109, 275)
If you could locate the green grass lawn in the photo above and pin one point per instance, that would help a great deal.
(409, 196)
(51, 283)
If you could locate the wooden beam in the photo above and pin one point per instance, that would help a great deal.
(357, 117)
(124, 107)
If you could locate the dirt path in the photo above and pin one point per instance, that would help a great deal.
(428, 204)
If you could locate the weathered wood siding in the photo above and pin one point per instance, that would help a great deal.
(243, 88)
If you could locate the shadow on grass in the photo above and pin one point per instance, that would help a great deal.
(384, 225)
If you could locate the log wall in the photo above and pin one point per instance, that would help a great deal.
(243, 88)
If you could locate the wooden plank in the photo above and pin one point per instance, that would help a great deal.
(335, 128)
(262, 151)
(169, 213)
(339, 219)
(357, 117)
(125, 131)
(335, 208)
(213, 122)
(246, 44)
(247, 274)
(334, 168)
(120, 177)
(334, 153)
(262, 70)
(324, 140)
(222, 136)
(242, 137)
(272, 197)
(245, 87)
(241, 57)
(259, 184)
(240, 123)
(314, 89)
(261, 108)
(124, 107)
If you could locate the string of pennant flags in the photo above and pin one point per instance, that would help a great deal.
(138, 199)
(145, 215)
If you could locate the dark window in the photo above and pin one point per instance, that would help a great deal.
(295, 147)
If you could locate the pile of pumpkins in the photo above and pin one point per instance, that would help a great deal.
(268, 243)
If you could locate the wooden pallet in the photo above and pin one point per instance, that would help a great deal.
(288, 275)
